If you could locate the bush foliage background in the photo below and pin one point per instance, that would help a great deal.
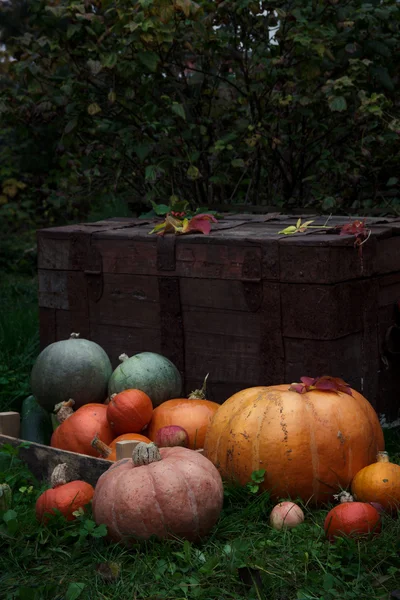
(288, 103)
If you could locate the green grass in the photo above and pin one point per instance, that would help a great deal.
(61, 561)
(19, 337)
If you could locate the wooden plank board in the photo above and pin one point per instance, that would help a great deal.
(10, 423)
(41, 460)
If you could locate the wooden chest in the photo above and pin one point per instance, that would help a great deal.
(246, 304)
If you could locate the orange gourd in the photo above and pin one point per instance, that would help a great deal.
(110, 452)
(310, 441)
(65, 496)
(353, 519)
(78, 428)
(379, 482)
(166, 492)
(194, 414)
(129, 411)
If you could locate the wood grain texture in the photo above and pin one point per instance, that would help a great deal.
(41, 460)
(10, 423)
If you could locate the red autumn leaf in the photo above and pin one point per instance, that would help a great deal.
(356, 227)
(200, 223)
(333, 384)
(325, 383)
(307, 380)
(300, 388)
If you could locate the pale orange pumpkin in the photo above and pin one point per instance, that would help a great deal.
(78, 429)
(194, 414)
(311, 444)
(379, 482)
(129, 411)
(64, 495)
(166, 492)
(110, 452)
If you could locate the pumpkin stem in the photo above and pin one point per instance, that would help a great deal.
(382, 457)
(61, 475)
(64, 410)
(123, 357)
(101, 447)
(344, 496)
(74, 336)
(201, 393)
(145, 454)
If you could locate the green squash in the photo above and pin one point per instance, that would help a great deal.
(149, 372)
(74, 368)
(36, 423)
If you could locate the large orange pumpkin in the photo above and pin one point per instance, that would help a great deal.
(129, 411)
(194, 414)
(110, 452)
(78, 430)
(65, 496)
(379, 482)
(166, 492)
(353, 519)
(311, 444)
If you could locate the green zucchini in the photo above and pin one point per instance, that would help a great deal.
(36, 424)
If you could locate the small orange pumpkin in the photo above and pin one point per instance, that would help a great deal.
(110, 452)
(129, 411)
(194, 414)
(65, 496)
(353, 519)
(78, 428)
(379, 482)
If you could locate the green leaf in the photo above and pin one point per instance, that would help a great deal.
(392, 181)
(193, 173)
(94, 66)
(71, 125)
(93, 109)
(149, 60)
(238, 162)
(74, 591)
(109, 60)
(382, 76)
(142, 151)
(160, 209)
(328, 203)
(337, 103)
(178, 110)
(10, 515)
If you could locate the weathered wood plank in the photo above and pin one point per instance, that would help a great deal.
(227, 358)
(129, 340)
(47, 326)
(322, 311)
(68, 321)
(127, 300)
(65, 290)
(41, 460)
(318, 357)
(10, 423)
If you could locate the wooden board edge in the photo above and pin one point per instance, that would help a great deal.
(41, 460)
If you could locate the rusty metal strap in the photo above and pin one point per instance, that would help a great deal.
(171, 322)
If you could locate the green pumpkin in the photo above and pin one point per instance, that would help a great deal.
(36, 425)
(5, 496)
(149, 372)
(74, 368)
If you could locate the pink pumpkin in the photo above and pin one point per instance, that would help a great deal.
(166, 492)
(287, 515)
